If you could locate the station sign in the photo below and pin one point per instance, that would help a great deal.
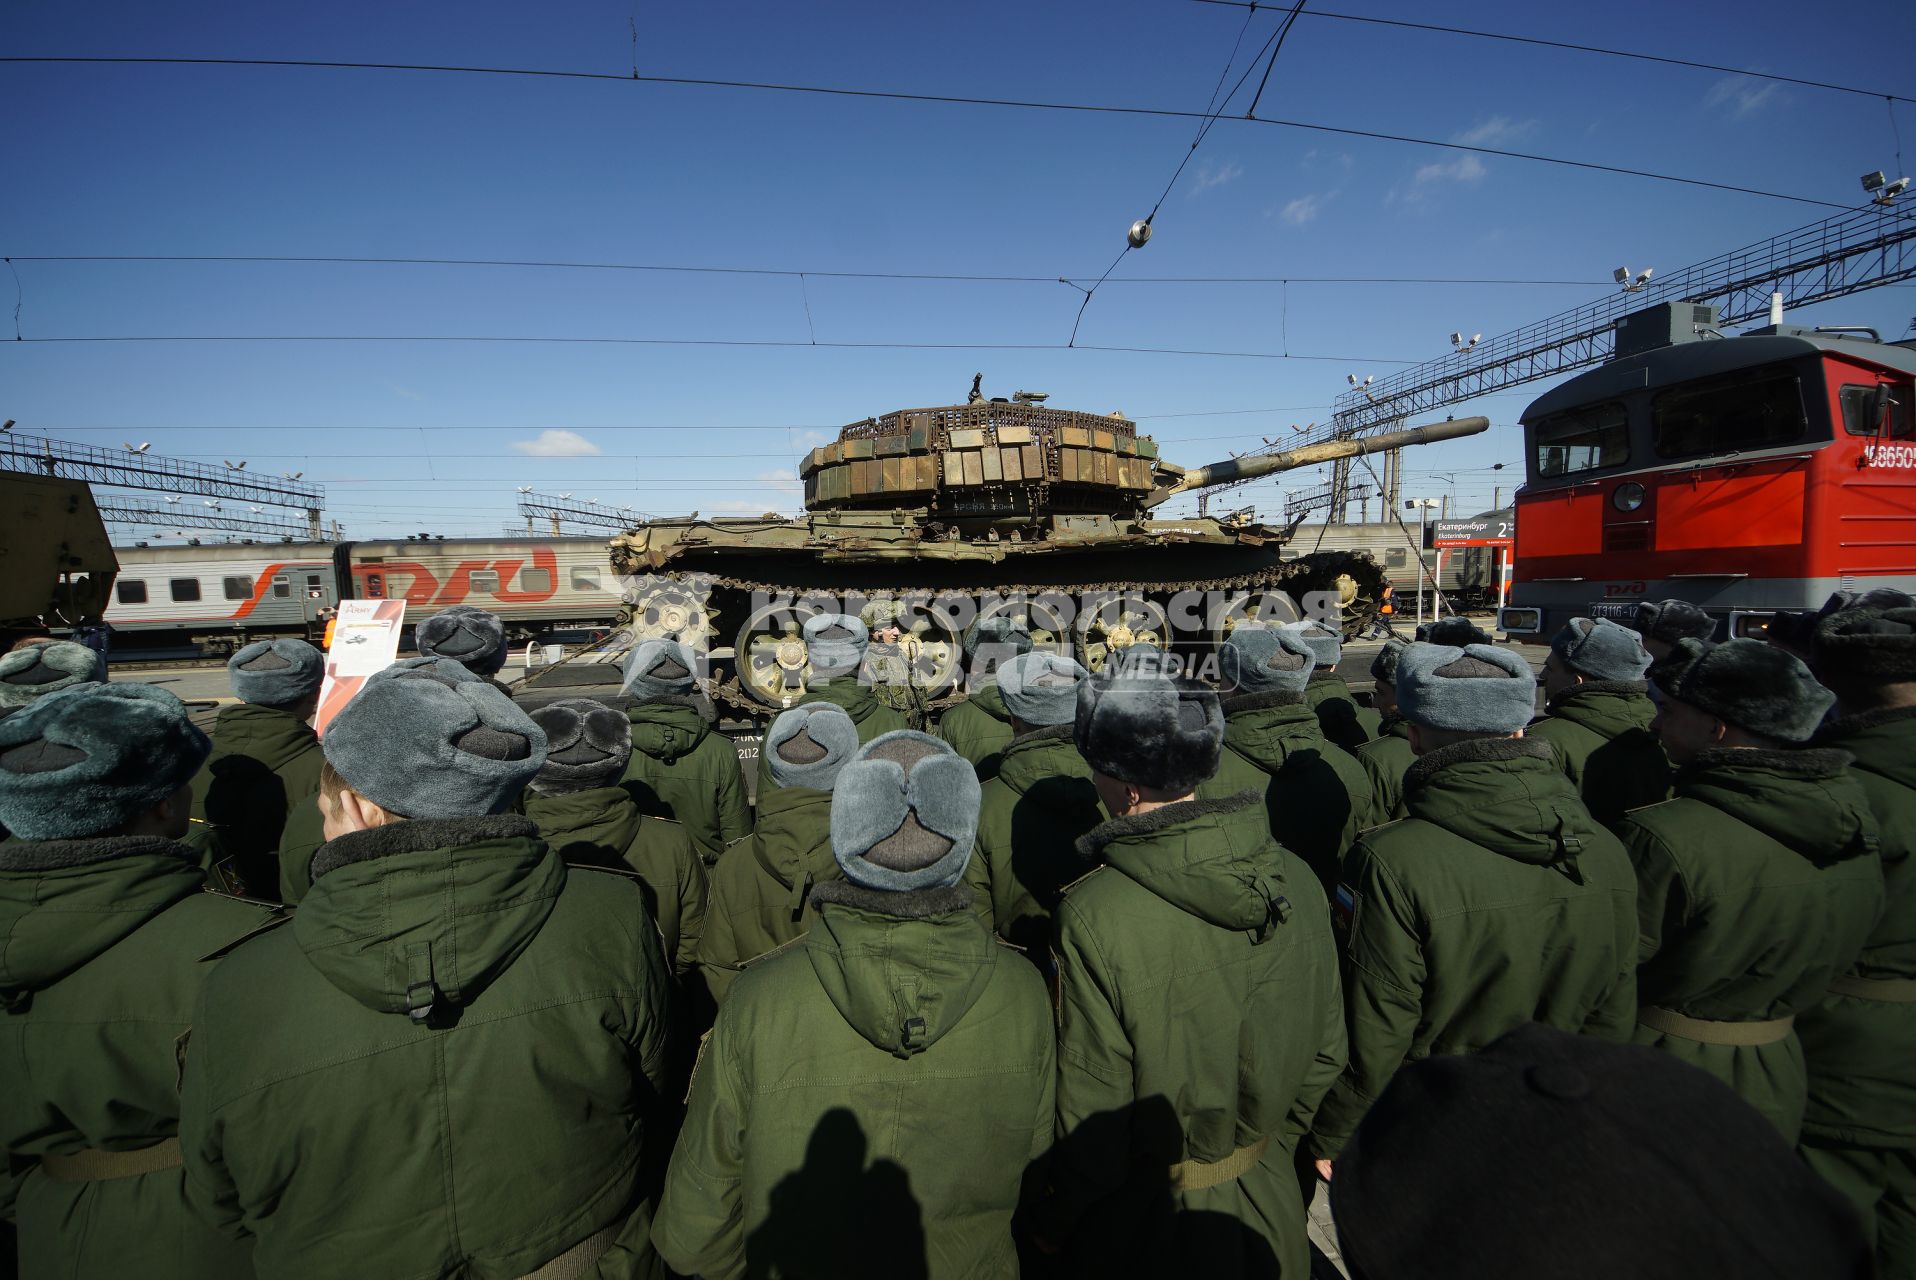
(1492, 529)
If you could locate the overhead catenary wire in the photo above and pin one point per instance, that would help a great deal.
(894, 95)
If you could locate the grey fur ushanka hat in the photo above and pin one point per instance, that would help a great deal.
(835, 642)
(1012, 634)
(1149, 729)
(1384, 666)
(466, 634)
(276, 673)
(587, 745)
(1453, 631)
(1601, 649)
(41, 669)
(1041, 689)
(905, 814)
(1256, 659)
(660, 669)
(425, 749)
(1873, 645)
(1476, 689)
(1326, 645)
(89, 759)
(808, 745)
(1755, 686)
(1671, 621)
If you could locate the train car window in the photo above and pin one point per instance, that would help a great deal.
(1396, 557)
(485, 581)
(375, 586)
(1861, 416)
(1758, 409)
(184, 589)
(1582, 440)
(130, 591)
(282, 587)
(238, 588)
(535, 579)
(585, 578)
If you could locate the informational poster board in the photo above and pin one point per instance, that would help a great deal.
(365, 642)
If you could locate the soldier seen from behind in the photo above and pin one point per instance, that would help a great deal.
(898, 1030)
(108, 938)
(1759, 882)
(450, 1062)
(1318, 796)
(1199, 1017)
(1388, 755)
(1597, 714)
(762, 887)
(835, 645)
(1550, 1154)
(1859, 1129)
(681, 767)
(1328, 695)
(1664, 622)
(254, 804)
(979, 728)
(584, 813)
(1498, 901)
(474, 638)
(1031, 815)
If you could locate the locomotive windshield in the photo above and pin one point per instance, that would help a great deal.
(1759, 409)
(1586, 439)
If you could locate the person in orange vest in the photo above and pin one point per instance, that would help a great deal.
(332, 620)
(1386, 612)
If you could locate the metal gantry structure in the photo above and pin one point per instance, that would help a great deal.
(127, 469)
(1840, 255)
(183, 519)
(559, 510)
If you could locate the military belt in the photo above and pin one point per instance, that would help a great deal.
(1706, 1031)
(579, 1259)
(104, 1166)
(1196, 1175)
(1887, 990)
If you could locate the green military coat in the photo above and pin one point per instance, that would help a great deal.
(601, 827)
(264, 769)
(449, 1063)
(1199, 1024)
(1029, 819)
(869, 715)
(868, 1104)
(1601, 730)
(1757, 884)
(1318, 796)
(979, 729)
(1860, 1122)
(1343, 720)
(104, 944)
(1499, 901)
(762, 887)
(684, 770)
(1385, 758)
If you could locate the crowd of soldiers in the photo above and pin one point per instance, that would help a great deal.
(1113, 974)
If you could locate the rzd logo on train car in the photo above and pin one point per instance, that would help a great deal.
(1888, 455)
(1612, 590)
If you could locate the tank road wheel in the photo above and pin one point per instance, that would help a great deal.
(1270, 608)
(772, 664)
(1118, 623)
(670, 609)
(1043, 619)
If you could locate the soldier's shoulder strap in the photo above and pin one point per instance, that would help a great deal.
(280, 915)
(779, 950)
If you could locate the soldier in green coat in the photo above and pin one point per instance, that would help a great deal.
(452, 1061)
(680, 767)
(871, 1098)
(1199, 1017)
(1759, 883)
(264, 768)
(762, 887)
(1498, 901)
(835, 645)
(1318, 795)
(584, 814)
(1859, 1129)
(106, 935)
(1344, 722)
(979, 728)
(1597, 713)
(889, 668)
(1031, 815)
(1388, 755)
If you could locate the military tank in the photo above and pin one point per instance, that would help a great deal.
(946, 514)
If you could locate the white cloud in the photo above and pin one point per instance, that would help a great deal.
(1742, 96)
(782, 481)
(1498, 131)
(407, 393)
(552, 443)
(1209, 175)
(1301, 210)
(1465, 168)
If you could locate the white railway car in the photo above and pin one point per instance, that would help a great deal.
(1466, 572)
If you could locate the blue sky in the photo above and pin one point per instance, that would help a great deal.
(147, 160)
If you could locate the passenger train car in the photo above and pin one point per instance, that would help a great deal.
(220, 597)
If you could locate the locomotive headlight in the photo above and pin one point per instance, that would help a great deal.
(1628, 497)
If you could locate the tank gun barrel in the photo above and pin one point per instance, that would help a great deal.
(1173, 481)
